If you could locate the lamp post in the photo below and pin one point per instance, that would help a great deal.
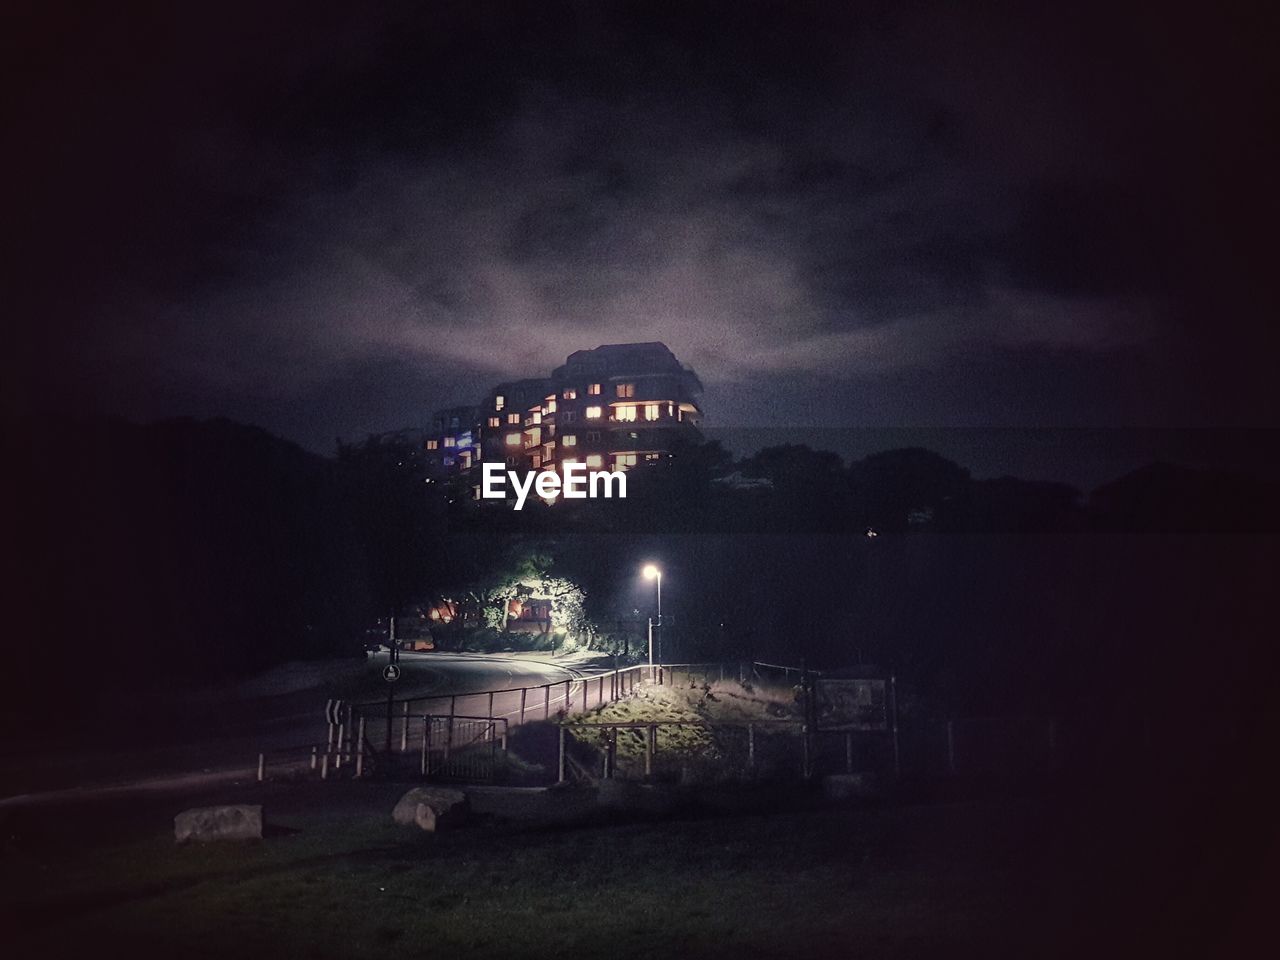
(651, 572)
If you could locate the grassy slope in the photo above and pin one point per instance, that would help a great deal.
(912, 882)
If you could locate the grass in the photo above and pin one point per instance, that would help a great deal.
(339, 880)
(707, 753)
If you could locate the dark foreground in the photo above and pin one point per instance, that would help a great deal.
(536, 876)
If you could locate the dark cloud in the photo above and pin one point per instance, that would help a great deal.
(886, 213)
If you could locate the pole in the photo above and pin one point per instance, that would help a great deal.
(546, 702)
(651, 645)
(523, 692)
(561, 767)
(897, 758)
(404, 729)
(262, 767)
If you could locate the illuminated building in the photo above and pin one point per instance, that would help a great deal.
(616, 407)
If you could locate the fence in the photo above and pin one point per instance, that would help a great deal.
(682, 749)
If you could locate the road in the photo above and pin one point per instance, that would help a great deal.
(281, 715)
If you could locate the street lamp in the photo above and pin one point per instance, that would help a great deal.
(651, 572)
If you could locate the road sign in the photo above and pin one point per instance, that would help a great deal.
(333, 710)
(391, 672)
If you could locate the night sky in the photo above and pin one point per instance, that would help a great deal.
(330, 221)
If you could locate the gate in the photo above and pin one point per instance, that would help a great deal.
(463, 748)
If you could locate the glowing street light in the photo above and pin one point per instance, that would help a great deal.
(652, 572)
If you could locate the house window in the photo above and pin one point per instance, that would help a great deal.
(550, 407)
(495, 421)
(595, 460)
(569, 440)
(498, 402)
(651, 411)
(593, 389)
(625, 414)
(652, 456)
(513, 418)
(537, 461)
(624, 460)
(569, 395)
(569, 416)
(593, 413)
(513, 439)
(593, 436)
(450, 442)
(432, 444)
(626, 389)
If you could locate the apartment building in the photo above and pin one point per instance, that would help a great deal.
(615, 407)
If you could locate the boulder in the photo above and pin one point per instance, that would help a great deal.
(430, 808)
(205, 824)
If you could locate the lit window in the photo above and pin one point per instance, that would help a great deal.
(499, 402)
(671, 412)
(550, 407)
(569, 395)
(593, 389)
(537, 417)
(651, 411)
(595, 460)
(536, 460)
(513, 439)
(626, 389)
(495, 421)
(450, 442)
(593, 413)
(624, 460)
(625, 414)
(432, 444)
(513, 418)
(652, 456)
(569, 440)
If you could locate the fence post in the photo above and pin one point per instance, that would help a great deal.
(448, 739)
(314, 750)
(426, 740)
(523, 692)
(561, 765)
(648, 751)
(546, 702)
(262, 767)
(600, 693)
(848, 753)
(337, 762)
(324, 768)
(453, 704)
(489, 731)
(751, 745)
(360, 750)
(951, 747)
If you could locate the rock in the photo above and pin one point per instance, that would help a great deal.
(851, 786)
(204, 824)
(429, 808)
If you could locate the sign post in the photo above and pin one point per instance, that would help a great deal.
(390, 673)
